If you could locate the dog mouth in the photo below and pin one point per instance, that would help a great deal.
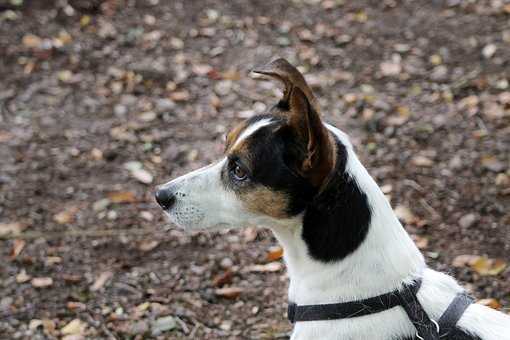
(185, 216)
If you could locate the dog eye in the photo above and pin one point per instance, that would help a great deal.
(239, 173)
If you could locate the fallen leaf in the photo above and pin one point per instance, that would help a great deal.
(492, 163)
(274, 253)
(66, 216)
(464, 260)
(42, 282)
(34, 323)
(263, 268)
(488, 267)
(136, 170)
(76, 326)
(122, 197)
(14, 228)
(389, 68)
(51, 260)
(148, 245)
(101, 280)
(229, 292)
(23, 277)
(492, 303)
(201, 69)
(146, 215)
(468, 220)
(223, 278)
(250, 234)
(422, 161)
(73, 305)
(17, 247)
(420, 241)
(405, 214)
(31, 41)
(180, 96)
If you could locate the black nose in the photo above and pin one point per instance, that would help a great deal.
(165, 198)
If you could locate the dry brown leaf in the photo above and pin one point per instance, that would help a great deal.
(405, 214)
(492, 303)
(17, 247)
(42, 282)
(223, 278)
(488, 267)
(122, 197)
(31, 41)
(101, 280)
(229, 292)
(66, 216)
(274, 253)
(72, 305)
(464, 260)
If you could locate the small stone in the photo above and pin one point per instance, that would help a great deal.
(163, 324)
(468, 220)
(502, 180)
(120, 110)
(112, 215)
(223, 87)
(147, 215)
(489, 50)
(101, 204)
(226, 263)
(164, 104)
(42, 282)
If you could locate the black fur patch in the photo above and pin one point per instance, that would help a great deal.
(336, 222)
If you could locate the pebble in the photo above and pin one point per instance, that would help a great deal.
(468, 220)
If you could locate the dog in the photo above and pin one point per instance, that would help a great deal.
(342, 242)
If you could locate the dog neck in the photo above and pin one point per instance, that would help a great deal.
(363, 253)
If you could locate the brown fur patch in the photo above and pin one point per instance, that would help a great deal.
(234, 134)
(266, 201)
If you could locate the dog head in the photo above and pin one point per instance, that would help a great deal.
(273, 165)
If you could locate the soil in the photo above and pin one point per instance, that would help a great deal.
(422, 88)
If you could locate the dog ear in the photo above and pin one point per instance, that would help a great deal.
(319, 158)
(304, 120)
(283, 71)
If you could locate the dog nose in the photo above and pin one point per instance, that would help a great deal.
(165, 198)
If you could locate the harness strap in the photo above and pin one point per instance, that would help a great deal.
(453, 313)
(427, 329)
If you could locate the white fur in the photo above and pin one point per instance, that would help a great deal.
(385, 259)
(250, 130)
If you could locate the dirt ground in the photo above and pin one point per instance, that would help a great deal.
(102, 100)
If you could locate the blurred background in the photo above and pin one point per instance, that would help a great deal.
(100, 101)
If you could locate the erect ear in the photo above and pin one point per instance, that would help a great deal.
(283, 71)
(319, 158)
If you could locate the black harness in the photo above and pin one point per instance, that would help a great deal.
(427, 329)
